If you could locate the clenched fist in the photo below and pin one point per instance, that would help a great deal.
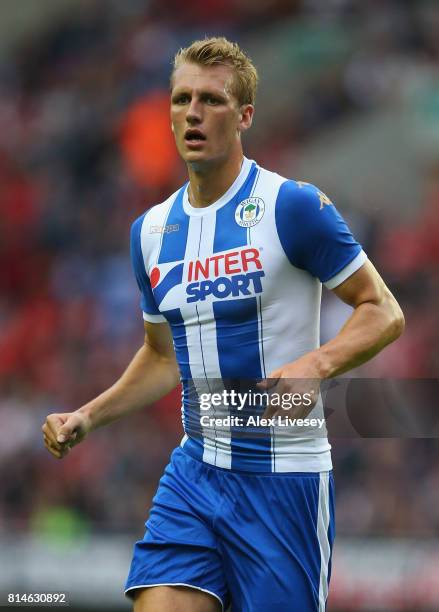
(63, 431)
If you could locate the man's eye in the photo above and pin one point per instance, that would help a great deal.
(211, 100)
(181, 100)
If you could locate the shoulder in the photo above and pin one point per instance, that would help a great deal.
(302, 199)
(293, 198)
(303, 208)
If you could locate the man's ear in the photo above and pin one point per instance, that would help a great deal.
(246, 117)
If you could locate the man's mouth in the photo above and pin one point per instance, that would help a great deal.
(194, 136)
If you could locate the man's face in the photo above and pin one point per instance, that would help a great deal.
(206, 117)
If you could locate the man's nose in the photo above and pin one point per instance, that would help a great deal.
(194, 112)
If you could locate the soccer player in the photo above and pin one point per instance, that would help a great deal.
(230, 269)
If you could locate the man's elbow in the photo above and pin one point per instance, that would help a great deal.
(396, 324)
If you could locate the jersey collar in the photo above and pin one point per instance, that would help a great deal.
(230, 193)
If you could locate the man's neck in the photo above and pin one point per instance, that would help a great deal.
(208, 184)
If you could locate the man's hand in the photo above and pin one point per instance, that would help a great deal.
(296, 383)
(63, 431)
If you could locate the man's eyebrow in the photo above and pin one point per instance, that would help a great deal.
(202, 93)
(216, 93)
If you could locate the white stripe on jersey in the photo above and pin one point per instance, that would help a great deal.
(322, 535)
(201, 339)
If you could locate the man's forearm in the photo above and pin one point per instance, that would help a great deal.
(368, 330)
(148, 378)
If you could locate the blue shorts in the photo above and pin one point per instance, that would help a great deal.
(257, 541)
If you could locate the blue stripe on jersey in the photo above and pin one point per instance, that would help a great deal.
(147, 301)
(228, 234)
(173, 278)
(238, 336)
(191, 403)
(173, 245)
(238, 343)
(176, 322)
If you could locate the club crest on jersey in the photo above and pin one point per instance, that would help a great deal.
(249, 212)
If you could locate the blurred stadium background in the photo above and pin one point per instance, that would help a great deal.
(349, 100)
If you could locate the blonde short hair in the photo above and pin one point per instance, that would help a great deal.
(219, 50)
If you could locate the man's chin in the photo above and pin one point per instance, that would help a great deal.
(189, 154)
(197, 157)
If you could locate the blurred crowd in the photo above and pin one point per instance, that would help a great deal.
(85, 147)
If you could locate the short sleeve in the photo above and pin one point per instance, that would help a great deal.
(147, 303)
(314, 235)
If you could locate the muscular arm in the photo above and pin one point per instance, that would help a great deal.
(152, 373)
(377, 320)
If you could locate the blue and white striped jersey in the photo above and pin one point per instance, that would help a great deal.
(239, 282)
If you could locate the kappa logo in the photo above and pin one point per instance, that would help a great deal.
(249, 212)
(163, 229)
(324, 200)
